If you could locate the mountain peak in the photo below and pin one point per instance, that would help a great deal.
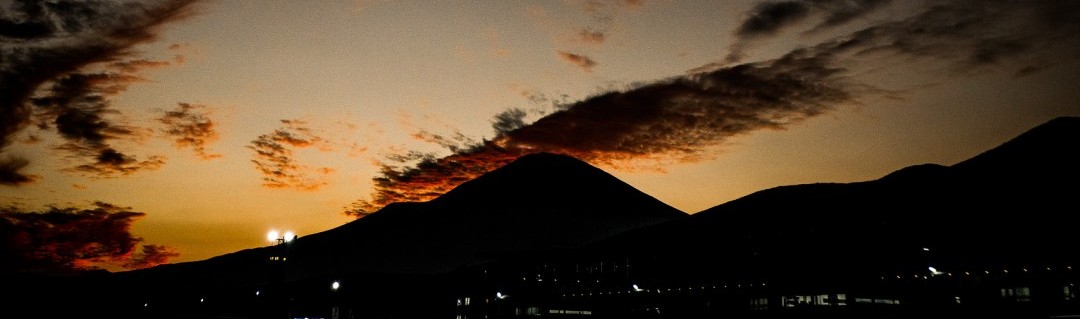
(539, 176)
(538, 202)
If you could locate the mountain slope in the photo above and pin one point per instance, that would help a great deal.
(538, 202)
(1012, 205)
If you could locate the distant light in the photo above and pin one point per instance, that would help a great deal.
(335, 285)
(934, 271)
(272, 235)
(146, 304)
(925, 249)
(202, 299)
(289, 236)
(499, 295)
(256, 292)
(636, 288)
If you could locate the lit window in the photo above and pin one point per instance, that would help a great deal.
(759, 303)
(1022, 294)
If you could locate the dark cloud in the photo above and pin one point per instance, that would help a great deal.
(591, 36)
(509, 120)
(109, 163)
(46, 42)
(275, 160)
(581, 61)
(456, 142)
(769, 18)
(685, 118)
(64, 240)
(190, 127)
(838, 12)
(10, 171)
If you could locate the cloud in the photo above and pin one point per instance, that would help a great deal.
(591, 36)
(109, 163)
(65, 240)
(189, 127)
(769, 18)
(45, 42)
(598, 18)
(10, 174)
(581, 61)
(686, 118)
(149, 256)
(275, 160)
(677, 119)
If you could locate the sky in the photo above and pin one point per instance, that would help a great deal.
(209, 123)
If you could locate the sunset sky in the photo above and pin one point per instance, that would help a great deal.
(223, 119)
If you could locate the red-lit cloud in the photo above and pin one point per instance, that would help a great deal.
(64, 240)
(585, 63)
(190, 127)
(275, 160)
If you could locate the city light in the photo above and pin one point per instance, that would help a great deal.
(934, 271)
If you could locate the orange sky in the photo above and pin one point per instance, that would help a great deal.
(229, 118)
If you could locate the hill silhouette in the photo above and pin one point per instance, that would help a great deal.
(1011, 206)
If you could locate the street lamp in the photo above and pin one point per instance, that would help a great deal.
(274, 236)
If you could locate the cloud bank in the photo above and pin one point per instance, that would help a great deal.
(685, 118)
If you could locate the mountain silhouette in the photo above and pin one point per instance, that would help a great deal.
(1011, 206)
(539, 202)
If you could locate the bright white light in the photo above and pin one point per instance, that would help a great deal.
(934, 271)
(256, 292)
(335, 285)
(289, 235)
(925, 249)
(499, 295)
(639, 289)
(272, 235)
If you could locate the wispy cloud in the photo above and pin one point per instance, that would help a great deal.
(585, 63)
(54, 42)
(109, 163)
(190, 127)
(11, 171)
(274, 157)
(769, 18)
